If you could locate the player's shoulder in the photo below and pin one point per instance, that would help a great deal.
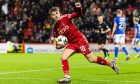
(54, 26)
(119, 18)
(65, 16)
(123, 18)
(104, 23)
(136, 25)
(116, 18)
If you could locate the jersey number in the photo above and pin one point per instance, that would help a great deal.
(82, 48)
(121, 26)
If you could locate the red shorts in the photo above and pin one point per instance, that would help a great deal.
(81, 45)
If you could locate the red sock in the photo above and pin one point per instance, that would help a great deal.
(65, 66)
(102, 61)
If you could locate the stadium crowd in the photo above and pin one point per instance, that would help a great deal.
(27, 21)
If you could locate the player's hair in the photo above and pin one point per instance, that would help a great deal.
(119, 11)
(136, 19)
(53, 9)
(100, 15)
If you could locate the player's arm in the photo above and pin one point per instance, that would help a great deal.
(107, 29)
(78, 11)
(97, 30)
(59, 46)
(124, 27)
(135, 27)
(55, 34)
(114, 29)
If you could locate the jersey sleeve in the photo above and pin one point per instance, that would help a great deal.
(76, 14)
(106, 26)
(135, 26)
(115, 20)
(125, 20)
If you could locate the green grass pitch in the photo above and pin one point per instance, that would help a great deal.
(46, 69)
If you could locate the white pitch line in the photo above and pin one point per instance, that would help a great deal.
(28, 71)
(25, 71)
(120, 81)
(25, 79)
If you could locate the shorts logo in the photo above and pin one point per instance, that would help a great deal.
(82, 48)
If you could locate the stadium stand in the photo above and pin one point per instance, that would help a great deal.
(27, 21)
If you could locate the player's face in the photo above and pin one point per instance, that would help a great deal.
(119, 14)
(55, 15)
(134, 21)
(100, 18)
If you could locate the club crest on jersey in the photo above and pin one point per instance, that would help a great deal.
(63, 30)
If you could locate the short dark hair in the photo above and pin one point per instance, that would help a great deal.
(118, 11)
(53, 9)
(100, 14)
(136, 19)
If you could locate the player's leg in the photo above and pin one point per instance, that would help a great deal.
(65, 65)
(125, 51)
(104, 42)
(135, 45)
(137, 51)
(138, 46)
(122, 42)
(105, 51)
(98, 59)
(102, 61)
(101, 43)
(116, 49)
(83, 47)
(85, 50)
(103, 47)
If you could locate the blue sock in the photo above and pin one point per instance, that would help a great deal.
(138, 49)
(125, 50)
(135, 49)
(116, 50)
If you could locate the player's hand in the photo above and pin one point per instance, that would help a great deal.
(60, 46)
(103, 32)
(96, 31)
(78, 5)
(112, 35)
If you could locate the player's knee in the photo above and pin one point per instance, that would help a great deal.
(100, 48)
(122, 45)
(116, 45)
(91, 59)
(64, 58)
(134, 46)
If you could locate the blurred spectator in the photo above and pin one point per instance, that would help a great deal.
(28, 20)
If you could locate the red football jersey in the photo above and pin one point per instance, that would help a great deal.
(66, 27)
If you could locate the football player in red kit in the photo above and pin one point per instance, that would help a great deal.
(76, 41)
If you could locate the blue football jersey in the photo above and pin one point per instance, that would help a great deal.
(137, 28)
(120, 21)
